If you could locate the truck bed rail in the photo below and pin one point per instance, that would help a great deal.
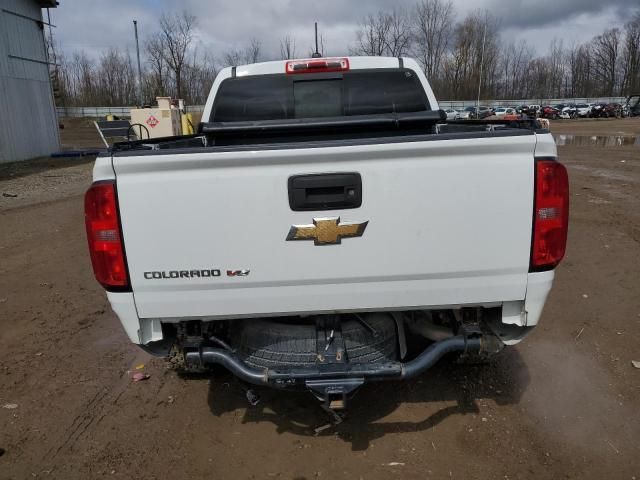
(259, 134)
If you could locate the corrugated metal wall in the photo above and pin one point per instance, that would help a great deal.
(28, 121)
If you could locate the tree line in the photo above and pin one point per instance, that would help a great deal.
(457, 55)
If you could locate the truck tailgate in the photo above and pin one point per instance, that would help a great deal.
(449, 223)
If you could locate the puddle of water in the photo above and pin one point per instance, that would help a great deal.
(597, 140)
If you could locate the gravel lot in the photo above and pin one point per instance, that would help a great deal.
(564, 404)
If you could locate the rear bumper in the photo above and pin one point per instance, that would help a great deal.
(306, 298)
(519, 313)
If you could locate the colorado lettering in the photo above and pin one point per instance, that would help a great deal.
(182, 274)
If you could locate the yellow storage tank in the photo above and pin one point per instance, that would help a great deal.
(187, 124)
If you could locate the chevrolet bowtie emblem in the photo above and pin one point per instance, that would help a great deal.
(326, 231)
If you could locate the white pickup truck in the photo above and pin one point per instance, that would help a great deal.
(326, 227)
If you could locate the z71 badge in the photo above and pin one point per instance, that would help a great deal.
(326, 231)
(237, 273)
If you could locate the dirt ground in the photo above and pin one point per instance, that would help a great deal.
(563, 404)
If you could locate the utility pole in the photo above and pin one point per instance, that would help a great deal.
(484, 37)
(135, 29)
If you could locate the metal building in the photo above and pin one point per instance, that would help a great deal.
(28, 122)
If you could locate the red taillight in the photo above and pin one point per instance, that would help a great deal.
(318, 65)
(550, 215)
(103, 234)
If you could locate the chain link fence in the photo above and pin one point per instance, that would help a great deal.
(124, 112)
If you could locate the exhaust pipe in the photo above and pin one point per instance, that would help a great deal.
(210, 356)
(430, 330)
(436, 351)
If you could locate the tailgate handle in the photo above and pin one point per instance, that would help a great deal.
(325, 191)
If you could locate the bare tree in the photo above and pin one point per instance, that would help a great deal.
(556, 64)
(581, 72)
(115, 79)
(252, 53)
(605, 50)
(386, 33)
(109, 81)
(463, 66)
(79, 79)
(433, 28)
(233, 58)
(177, 33)
(631, 56)
(155, 50)
(458, 67)
(398, 40)
(514, 63)
(372, 35)
(287, 48)
(199, 74)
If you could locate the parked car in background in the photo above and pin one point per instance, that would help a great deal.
(563, 108)
(452, 114)
(484, 112)
(606, 110)
(614, 110)
(583, 110)
(550, 112)
(599, 111)
(528, 111)
(534, 110)
(466, 113)
(500, 112)
(478, 113)
(569, 111)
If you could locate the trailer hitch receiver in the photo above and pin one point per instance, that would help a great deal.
(334, 393)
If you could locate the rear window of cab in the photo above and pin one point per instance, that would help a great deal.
(280, 96)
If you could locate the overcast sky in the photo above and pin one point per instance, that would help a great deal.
(94, 26)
